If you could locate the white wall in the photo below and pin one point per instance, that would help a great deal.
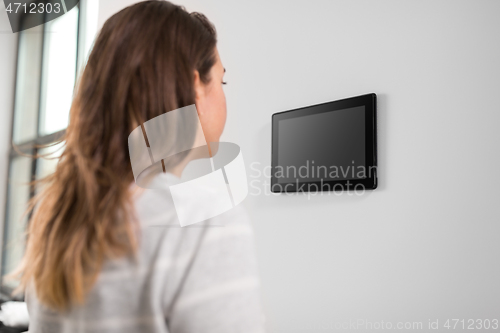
(424, 245)
(8, 52)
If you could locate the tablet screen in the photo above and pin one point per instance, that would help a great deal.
(324, 146)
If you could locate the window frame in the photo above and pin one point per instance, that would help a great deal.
(31, 146)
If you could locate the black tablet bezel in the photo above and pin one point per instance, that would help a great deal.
(369, 101)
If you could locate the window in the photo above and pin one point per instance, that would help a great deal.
(49, 59)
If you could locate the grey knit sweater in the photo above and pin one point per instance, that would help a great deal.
(200, 278)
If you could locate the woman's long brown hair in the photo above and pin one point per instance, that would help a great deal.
(142, 65)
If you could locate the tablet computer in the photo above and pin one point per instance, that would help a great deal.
(326, 147)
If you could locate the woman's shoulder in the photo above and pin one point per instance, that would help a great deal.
(166, 204)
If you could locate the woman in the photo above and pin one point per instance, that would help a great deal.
(96, 258)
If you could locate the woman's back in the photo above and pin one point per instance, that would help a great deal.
(201, 278)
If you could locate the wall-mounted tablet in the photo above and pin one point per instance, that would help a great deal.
(326, 147)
